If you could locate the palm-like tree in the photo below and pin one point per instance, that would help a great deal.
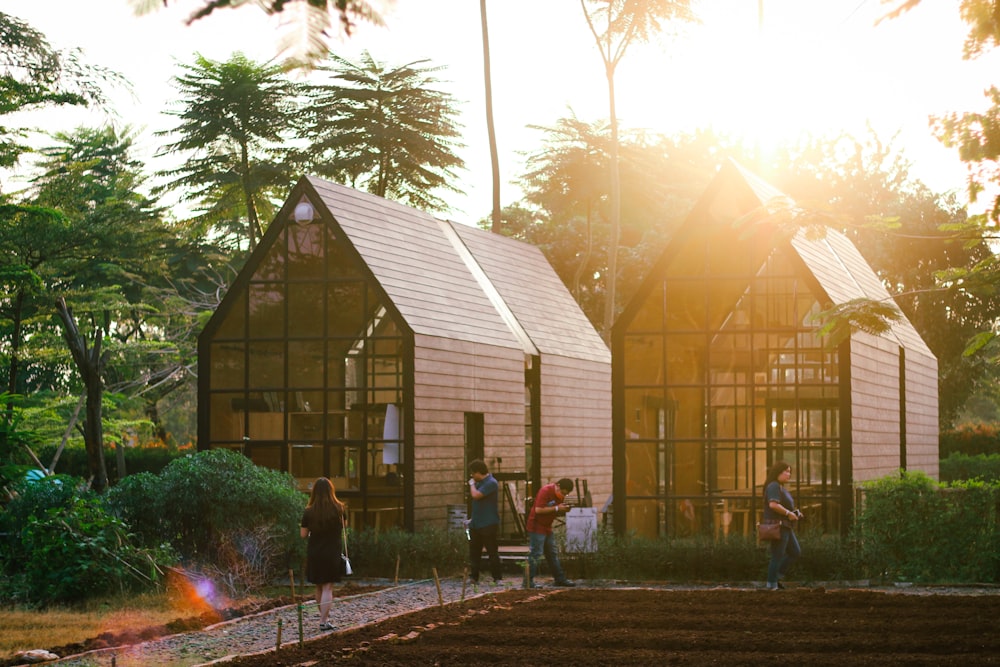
(616, 25)
(236, 118)
(389, 131)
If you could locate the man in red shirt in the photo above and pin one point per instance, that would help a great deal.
(548, 504)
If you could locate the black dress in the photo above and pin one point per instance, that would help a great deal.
(323, 562)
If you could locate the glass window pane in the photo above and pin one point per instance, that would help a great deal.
(306, 361)
(267, 365)
(267, 310)
(305, 251)
(227, 365)
(232, 326)
(305, 310)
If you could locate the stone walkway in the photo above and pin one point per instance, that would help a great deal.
(259, 632)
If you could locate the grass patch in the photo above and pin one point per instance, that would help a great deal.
(25, 629)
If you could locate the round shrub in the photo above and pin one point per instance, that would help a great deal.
(65, 546)
(200, 497)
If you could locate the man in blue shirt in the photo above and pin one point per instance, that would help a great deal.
(484, 525)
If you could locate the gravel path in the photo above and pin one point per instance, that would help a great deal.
(259, 632)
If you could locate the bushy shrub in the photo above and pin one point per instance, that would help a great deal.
(153, 458)
(65, 546)
(959, 466)
(911, 529)
(703, 559)
(970, 439)
(200, 497)
(375, 554)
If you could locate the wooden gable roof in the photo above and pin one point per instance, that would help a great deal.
(741, 210)
(536, 295)
(836, 264)
(454, 281)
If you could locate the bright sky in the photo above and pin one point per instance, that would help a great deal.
(814, 66)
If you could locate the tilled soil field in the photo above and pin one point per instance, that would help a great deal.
(636, 626)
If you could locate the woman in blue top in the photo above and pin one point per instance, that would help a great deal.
(779, 506)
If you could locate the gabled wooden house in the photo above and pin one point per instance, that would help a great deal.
(376, 345)
(718, 371)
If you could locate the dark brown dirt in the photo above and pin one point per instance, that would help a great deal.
(627, 627)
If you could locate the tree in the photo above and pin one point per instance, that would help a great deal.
(567, 186)
(615, 26)
(306, 31)
(490, 126)
(33, 74)
(389, 131)
(976, 136)
(97, 252)
(236, 121)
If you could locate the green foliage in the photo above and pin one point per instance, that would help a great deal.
(702, 559)
(912, 529)
(201, 496)
(235, 119)
(73, 460)
(375, 554)
(64, 546)
(970, 439)
(391, 131)
(959, 467)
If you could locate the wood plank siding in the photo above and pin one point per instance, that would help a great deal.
(576, 423)
(450, 379)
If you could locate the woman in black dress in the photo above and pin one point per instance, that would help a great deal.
(323, 522)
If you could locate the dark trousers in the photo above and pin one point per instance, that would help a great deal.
(484, 538)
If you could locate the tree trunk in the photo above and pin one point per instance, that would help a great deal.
(616, 213)
(490, 126)
(90, 362)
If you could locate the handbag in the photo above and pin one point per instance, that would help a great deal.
(769, 532)
(348, 570)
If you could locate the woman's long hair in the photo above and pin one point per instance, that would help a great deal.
(776, 469)
(325, 505)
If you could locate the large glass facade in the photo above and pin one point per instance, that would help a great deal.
(306, 374)
(723, 373)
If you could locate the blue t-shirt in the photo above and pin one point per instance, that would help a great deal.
(485, 511)
(775, 491)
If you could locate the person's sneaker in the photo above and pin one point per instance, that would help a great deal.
(780, 587)
(325, 626)
(565, 583)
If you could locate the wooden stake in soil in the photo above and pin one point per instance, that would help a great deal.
(291, 578)
(395, 580)
(278, 645)
(465, 577)
(299, 610)
(437, 582)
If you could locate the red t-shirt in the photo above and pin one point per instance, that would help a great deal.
(547, 497)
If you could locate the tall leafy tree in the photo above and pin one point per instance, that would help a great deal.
(87, 263)
(616, 25)
(976, 137)
(566, 185)
(236, 121)
(391, 131)
(33, 74)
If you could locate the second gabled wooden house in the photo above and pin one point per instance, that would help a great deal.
(719, 370)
